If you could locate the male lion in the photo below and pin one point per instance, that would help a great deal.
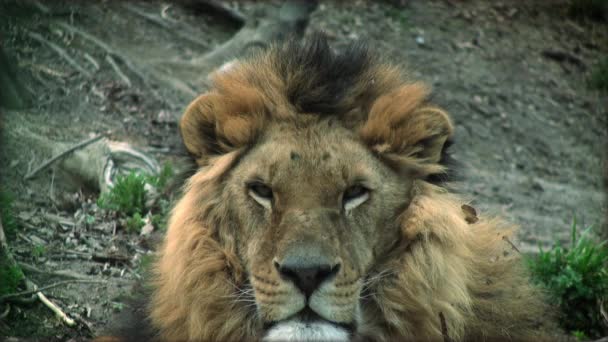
(317, 213)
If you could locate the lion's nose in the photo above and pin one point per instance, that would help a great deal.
(307, 274)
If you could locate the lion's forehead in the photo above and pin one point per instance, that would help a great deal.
(330, 155)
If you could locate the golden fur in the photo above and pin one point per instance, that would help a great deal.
(408, 255)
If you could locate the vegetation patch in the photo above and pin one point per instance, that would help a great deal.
(576, 278)
(129, 198)
(11, 276)
(9, 223)
(599, 77)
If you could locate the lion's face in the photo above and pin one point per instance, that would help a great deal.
(315, 209)
(307, 164)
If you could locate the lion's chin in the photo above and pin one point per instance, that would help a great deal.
(297, 330)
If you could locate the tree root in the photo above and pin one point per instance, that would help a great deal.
(291, 20)
(61, 52)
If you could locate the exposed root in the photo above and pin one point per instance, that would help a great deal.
(37, 290)
(160, 22)
(291, 19)
(61, 52)
(117, 70)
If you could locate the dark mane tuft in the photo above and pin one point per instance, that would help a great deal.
(318, 79)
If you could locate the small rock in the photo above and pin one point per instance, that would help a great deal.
(147, 229)
(537, 186)
(420, 40)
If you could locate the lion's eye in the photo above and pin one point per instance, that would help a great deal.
(261, 193)
(354, 196)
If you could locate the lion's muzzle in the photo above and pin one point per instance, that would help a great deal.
(307, 268)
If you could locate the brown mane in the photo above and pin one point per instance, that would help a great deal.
(441, 266)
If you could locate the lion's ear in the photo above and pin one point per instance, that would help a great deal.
(223, 120)
(402, 126)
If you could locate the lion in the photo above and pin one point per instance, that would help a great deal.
(320, 211)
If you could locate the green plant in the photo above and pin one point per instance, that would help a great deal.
(38, 251)
(397, 14)
(11, 278)
(9, 223)
(135, 223)
(163, 177)
(576, 278)
(599, 77)
(128, 195)
(128, 198)
(580, 336)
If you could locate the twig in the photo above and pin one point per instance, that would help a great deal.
(511, 243)
(6, 311)
(61, 52)
(32, 288)
(111, 258)
(603, 312)
(444, 328)
(62, 154)
(67, 320)
(3, 243)
(59, 219)
(122, 76)
(36, 289)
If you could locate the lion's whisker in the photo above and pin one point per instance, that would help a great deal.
(377, 277)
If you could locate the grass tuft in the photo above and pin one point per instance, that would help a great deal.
(576, 279)
(128, 195)
(11, 278)
(128, 198)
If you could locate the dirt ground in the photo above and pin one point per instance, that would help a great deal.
(530, 133)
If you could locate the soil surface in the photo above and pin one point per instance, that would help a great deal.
(530, 132)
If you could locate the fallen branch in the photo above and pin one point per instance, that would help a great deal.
(111, 258)
(67, 320)
(59, 219)
(61, 52)
(37, 290)
(61, 273)
(47, 163)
